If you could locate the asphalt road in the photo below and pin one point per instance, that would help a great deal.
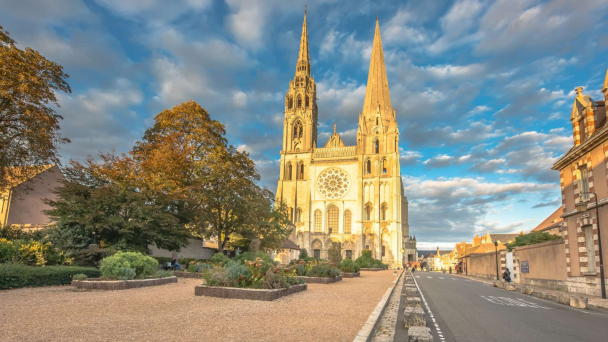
(467, 310)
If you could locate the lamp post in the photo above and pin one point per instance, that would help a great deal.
(581, 207)
(496, 250)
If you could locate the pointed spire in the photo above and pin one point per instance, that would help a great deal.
(377, 95)
(303, 66)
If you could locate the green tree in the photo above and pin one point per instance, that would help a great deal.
(531, 238)
(29, 126)
(335, 253)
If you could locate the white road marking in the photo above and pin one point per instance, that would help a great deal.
(441, 278)
(417, 276)
(430, 277)
(428, 309)
(512, 302)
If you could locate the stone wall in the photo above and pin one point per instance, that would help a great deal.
(484, 265)
(547, 264)
(194, 249)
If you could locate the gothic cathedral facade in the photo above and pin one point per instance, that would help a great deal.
(347, 194)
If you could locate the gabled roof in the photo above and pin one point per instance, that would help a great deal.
(552, 221)
(288, 244)
(335, 140)
(21, 174)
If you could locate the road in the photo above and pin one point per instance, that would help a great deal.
(467, 310)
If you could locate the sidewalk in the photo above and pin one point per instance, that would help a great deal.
(594, 301)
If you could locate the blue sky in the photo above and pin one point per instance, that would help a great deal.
(482, 89)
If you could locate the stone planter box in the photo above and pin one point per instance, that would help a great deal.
(252, 294)
(351, 275)
(320, 280)
(183, 274)
(372, 269)
(97, 284)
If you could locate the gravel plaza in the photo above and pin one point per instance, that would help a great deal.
(332, 312)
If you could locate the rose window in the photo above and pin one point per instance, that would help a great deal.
(333, 183)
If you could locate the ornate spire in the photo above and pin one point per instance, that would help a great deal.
(377, 95)
(303, 65)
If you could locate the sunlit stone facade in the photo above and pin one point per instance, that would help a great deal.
(348, 194)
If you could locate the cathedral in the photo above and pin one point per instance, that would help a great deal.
(348, 194)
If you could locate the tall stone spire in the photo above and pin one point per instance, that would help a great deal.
(377, 94)
(303, 65)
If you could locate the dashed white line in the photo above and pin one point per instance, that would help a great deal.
(428, 309)
(441, 278)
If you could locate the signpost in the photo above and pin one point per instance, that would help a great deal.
(525, 267)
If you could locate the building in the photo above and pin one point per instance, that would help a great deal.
(347, 194)
(23, 204)
(583, 179)
(552, 223)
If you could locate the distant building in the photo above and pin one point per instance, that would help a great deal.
(583, 179)
(481, 245)
(23, 204)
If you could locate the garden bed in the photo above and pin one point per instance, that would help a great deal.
(98, 284)
(184, 274)
(372, 269)
(252, 294)
(320, 280)
(351, 275)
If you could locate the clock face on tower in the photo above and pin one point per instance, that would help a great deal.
(333, 183)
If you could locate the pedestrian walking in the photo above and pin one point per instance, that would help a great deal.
(506, 276)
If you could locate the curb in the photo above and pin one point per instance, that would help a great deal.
(365, 334)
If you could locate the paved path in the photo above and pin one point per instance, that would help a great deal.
(467, 310)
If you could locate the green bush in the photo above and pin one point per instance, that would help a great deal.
(367, 261)
(531, 238)
(15, 276)
(248, 256)
(349, 266)
(219, 257)
(79, 276)
(303, 253)
(163, 274)
(113, 267)
(126, 273)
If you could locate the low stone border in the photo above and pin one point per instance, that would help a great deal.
(97, 284)
(252, 294)
(372, 269)
(351, 275)
(184, 274)
(320, 280)
(366, 332)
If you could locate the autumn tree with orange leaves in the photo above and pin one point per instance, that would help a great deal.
(29, 126)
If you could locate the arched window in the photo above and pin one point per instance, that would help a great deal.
(297, 130)
(307, 101)
(299, 101)
(299, 215)
(368, 211)
(384, 210)
(290, 213)
(318, 221)
(301, 173)
(290, 102)
(377, 147)
(333, 220)
(289, 169)
(347, 221)
(368, 167)
(377, 121)
(367, 247)
(383, 250)
(383, 165)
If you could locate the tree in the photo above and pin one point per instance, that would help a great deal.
(335, 253)
(531, 238)
(93, 213)
(29, 127)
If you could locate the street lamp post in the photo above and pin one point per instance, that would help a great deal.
(582, 207)
(496, 250)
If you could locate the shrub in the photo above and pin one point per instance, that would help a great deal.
(367, 261)
(8, 250)
(238, 273)
(321, 269)
(303, 253)
(79, 276)
(126, 273)
(349, 266)
(163, 274)
(16, 276)
(248, 256)
(531, 238)
(217, 276)
(335, 253)
(114, 267)
(219, 257)
(256, 274)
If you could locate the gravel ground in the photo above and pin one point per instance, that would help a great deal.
(333, 312)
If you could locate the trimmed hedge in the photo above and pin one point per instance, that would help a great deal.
(15, 276)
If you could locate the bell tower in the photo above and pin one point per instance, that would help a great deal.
(300, 124)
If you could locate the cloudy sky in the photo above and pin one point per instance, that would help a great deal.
(483, 90)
